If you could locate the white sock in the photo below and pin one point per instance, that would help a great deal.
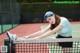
(14, 37)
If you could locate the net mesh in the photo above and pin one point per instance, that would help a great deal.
(45, 46)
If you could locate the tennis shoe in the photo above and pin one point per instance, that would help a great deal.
(11, 36)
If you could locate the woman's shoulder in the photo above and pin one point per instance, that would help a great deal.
(63, 18)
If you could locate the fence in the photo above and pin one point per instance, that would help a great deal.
(12, 13)
(9, 14)
(34, 12)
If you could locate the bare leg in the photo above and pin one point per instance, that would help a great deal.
(21, 38)
(24, 38)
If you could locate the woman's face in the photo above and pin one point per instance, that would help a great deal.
(51, 19)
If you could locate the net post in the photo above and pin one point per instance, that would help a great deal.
(7, 43)
(12, 47)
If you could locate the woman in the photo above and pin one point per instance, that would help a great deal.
(58, 25)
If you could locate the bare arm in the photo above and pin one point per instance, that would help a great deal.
(50, 32)
(39, 32)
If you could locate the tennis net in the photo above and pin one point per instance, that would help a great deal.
(47, 45)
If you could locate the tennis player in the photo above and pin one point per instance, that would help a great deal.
(57, 24)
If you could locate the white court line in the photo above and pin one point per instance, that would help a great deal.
(41, 27)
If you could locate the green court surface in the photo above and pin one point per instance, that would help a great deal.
(6, 27)
(75, 31)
